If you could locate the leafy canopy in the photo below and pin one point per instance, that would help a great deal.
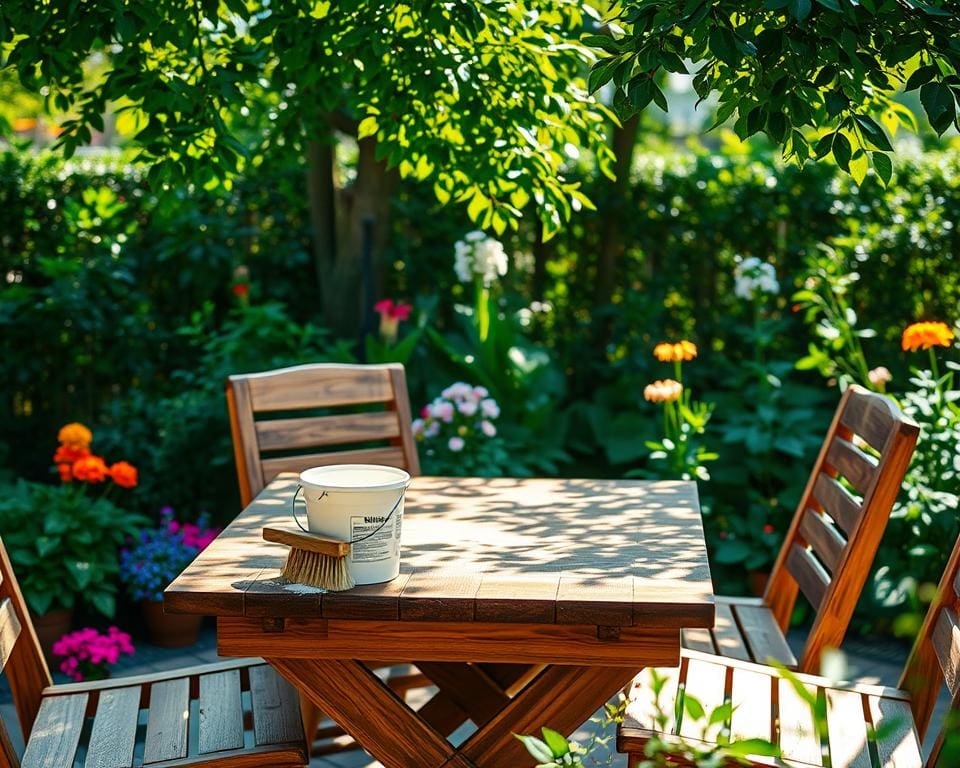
(782, 66)
(484, 100)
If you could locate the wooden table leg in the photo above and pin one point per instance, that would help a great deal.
(479, 692)
(367, 709)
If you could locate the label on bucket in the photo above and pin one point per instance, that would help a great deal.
(380, 546)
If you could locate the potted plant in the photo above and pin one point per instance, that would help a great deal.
(88, 655)
(156, 558)
(63, 539)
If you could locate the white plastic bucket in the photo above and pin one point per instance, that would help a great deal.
(362, 504)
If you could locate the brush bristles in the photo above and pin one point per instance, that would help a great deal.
(316, 570)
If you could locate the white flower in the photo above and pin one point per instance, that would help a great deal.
(467, 407)
(416, 427)
(753, 276)
(879, 376)
(455, 444)
(488, 429)
(489, 408)
(474, 237)
(481, 256)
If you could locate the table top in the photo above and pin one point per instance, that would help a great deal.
(538, 551)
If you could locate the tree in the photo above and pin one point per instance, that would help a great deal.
(817, 76)
(483, 100)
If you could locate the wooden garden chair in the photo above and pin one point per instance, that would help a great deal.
(290, 419)
(376, 430)
(890, 723)
(831, 542)
(238, 713)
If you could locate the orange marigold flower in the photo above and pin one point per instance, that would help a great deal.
(665, 391)
(926, 335)
(66, 472)
(124, 474)
(75, 434)
(681, 351)
(90, 469)
(67, 454)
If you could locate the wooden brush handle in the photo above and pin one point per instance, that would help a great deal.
(308, 541)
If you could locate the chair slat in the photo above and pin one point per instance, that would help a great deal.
(294, 389)
(698, 639)
(56, 732)
(810, 575)
(825, 539)
(751, 694)
(857, 467)
(221, 712)
(9, 630)
(392, 457)
(763, 636)
(114, 733)
(798, 734)
(726, 634)
(847, 730)
(838, 503)
(276, 712)
(872, 418)
(707, 683)
(318, 431)
(166, 737)
(897, 743)
(946, 642)
(643, 706)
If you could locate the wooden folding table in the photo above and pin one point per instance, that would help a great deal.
(527, 603)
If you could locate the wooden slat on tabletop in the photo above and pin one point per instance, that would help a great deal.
(707, 683)
(856, 466)
(375, 602)
(56, 732)
(276, 708)
(588, 599)
(823, 537)
(798, 733)
(846, 730)
(440, 595)
(9, 630)
(810, 575)
(221, 712)
(114, 733)
(522, 597)
(870, 418)
(763, 635)
(946, 642)
(317, 431)
(838, 502)
(897, 741)
(751, 694)
(698, 639)
(167, 723)
(389, 456)
(311, 386)
(726, 634)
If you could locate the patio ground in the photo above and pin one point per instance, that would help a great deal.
(872, 661)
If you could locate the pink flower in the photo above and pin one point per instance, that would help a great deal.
(467, 407)
(456, 444)
(425, 412)
(443, 410)
(880, 377)
(488, 429)
(417, 427)
(391, 315)
(489, 408)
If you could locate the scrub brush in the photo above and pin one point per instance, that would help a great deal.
(313, 560)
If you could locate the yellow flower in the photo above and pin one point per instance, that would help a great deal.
(681, 351)
(665, 391)
(926, 335)
(75, 435)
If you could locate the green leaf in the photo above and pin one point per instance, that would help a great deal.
(721, 714)
(800, 9)
(859, 166)
(939, 104)
(759, 747)
(104, 602)
(873, 133)
(842, 150)
(883, 166)
(537, 749)
(693, 708)
(556, 742)
(368, 127)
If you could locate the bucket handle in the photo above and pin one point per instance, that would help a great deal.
(374, 532)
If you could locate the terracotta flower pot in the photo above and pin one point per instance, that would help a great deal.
(50, 627)
(170, 630)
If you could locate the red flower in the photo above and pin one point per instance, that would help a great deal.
(66, 472)
(67, 454)
(768, 528)
(240, 290)
(124, 474)
(391, 315)
(90, 469)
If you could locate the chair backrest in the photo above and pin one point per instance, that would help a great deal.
(841, 517)
(361, 405)
(20, 658)
(935, 658)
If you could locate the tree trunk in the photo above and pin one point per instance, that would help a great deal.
(611, 234)
(339, 218)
